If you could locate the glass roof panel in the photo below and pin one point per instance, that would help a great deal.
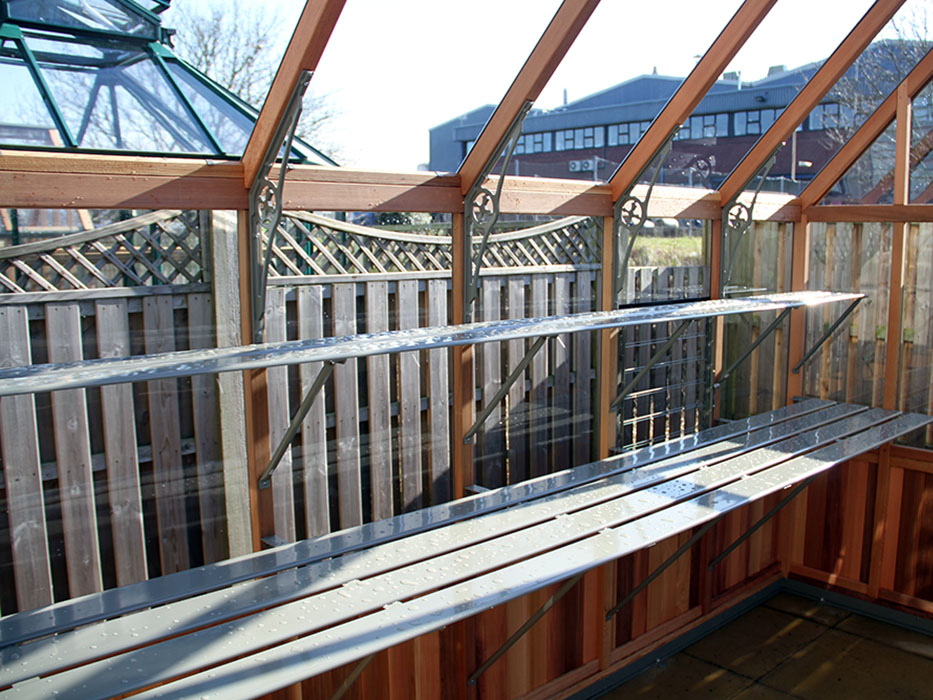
(114, 96)
(95, 15)
(883, 64)
(230, 125)
(921, 174)
(590, 119)
(870, 180)
(754, 90)
(24, 117)
(394, 70)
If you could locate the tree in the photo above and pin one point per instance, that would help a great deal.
(239, 45)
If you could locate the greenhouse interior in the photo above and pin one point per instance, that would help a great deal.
(632, 399)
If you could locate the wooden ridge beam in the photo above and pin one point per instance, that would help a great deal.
(691, 92)
(809, 97)
(531, 79)
(866, 134)
(304, 50)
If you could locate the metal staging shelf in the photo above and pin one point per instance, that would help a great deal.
(410, 577)
(73, 375)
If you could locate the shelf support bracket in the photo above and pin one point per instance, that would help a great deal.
(827, 335)
(724, 375)
(630, 214)
(661, 352)
(265, 480)
(528, 624)
(504, 388)
(683, 549)
(761, 521)
(482, 209)
(352, 678)
(265, 204)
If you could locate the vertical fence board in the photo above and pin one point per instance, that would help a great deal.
(691, 373)
(439, 398)
(561, 416)
(660, 402)
(380, 425)
(518, 405)
(126, 510)
(582, 416)
(165, 428)
(25, 500)
(73, 454)
(314, 426)
(492, 443)
(346, 404)
(206, 413)
(537, 415)
(409, 378)
(283, 492)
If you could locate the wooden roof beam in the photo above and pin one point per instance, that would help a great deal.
(691, 92)
(866, 134)
(528, 84)
(809, 97)
(304, 50)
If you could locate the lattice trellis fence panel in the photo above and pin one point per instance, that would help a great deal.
(161, 248)
(309, 244)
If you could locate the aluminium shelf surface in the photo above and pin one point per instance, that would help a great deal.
(99, 372)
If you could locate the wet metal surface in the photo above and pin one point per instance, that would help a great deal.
(573, 531)
(39, 378)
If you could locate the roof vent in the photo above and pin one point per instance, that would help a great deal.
(777, 69)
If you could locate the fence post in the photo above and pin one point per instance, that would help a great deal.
(225, 266)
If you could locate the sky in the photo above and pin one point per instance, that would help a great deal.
(395, 68)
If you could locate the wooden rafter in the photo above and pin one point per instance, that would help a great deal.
(304, 50)
(918, 152)
(691, 92)
(544, 59)
(809, 97)
(866, 134)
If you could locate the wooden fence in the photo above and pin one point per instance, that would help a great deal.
(104, 487)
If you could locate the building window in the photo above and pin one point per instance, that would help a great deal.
(534, 143)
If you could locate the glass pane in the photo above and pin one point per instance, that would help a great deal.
(916, 359)
(855, 96)
(850, 257)
(229, 125)
(921, 152)
(24, 118)
(870, 180)
(385, 106)
(101, 15)
(113, 96)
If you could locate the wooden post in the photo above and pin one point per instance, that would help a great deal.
(606, 371)
(256, 403)
(225, 267)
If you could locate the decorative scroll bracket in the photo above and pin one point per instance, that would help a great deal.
(481, 209)
(265, 204)
(631, 213)
(737, 216)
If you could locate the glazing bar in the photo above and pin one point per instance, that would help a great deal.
(527, 625)
(750, 349)
(827, 335)
(765, 518)
(683, 549)
(662, 351)
(503, 390)
(186, 363)
(265, 479)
